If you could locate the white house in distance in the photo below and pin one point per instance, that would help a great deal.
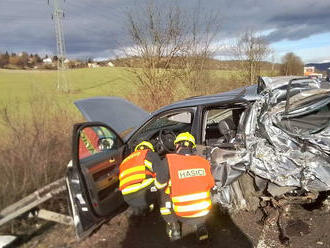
(47, 60)
(93, 65)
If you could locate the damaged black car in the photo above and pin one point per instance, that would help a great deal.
(269, 144)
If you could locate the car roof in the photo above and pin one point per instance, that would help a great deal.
(239, 95)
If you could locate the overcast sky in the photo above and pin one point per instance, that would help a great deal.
(96, 28)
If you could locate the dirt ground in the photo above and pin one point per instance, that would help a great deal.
(306, 228)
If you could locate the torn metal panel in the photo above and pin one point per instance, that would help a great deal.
(285, 158)
(271, 83)
(230, 196)
(224, 196)
(31, 201)
(56, 217)
(228, 165)
(287, 147)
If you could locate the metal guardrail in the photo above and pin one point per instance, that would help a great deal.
(33, 200)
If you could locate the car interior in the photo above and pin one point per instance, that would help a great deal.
(220, 126)
(161, 132)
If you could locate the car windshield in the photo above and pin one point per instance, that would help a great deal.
(175, 122)
(161, 123)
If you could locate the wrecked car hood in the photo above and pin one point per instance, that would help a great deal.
(118, 113)
(291, 148)
(285, 147)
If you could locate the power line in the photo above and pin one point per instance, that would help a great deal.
(57, 16)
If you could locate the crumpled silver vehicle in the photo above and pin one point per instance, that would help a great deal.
(282, 143)
(269, 145)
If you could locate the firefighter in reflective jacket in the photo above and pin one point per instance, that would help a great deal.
(184, 186)
(136, 178)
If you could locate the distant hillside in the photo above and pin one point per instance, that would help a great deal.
(320, 66)
(212, 64)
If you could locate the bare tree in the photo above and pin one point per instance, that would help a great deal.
(4, 59)
(251, 49)
(171, 47)
(274, 67)
(291, 65)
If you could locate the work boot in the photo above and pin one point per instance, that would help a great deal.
(135, 220)
(202, 233)
(173, 231)
(136, 217)
(146, 211)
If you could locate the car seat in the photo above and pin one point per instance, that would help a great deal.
(228, 129)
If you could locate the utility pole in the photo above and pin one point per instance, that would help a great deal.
(57, 16)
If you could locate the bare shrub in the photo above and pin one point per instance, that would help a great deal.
(169, 51)
(291, 65)
(35, 146)
(250, 50)
(222, 84)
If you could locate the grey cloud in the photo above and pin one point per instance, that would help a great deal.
(301, 24)
(293, 32)
(96, 27)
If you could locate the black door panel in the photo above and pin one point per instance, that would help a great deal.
(100, 172)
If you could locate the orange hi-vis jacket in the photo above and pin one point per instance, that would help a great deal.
(135, 172)
(191, 181)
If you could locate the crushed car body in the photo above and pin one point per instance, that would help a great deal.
(287, 141)
(265, 142)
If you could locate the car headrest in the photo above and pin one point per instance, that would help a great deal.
(227, 128)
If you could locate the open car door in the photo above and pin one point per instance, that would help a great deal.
(92, 176)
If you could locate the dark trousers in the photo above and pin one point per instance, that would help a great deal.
(141, 200)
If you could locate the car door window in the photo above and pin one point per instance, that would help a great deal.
(220, 125)
(94, 140)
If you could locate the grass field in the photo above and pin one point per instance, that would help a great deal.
(20, 86)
